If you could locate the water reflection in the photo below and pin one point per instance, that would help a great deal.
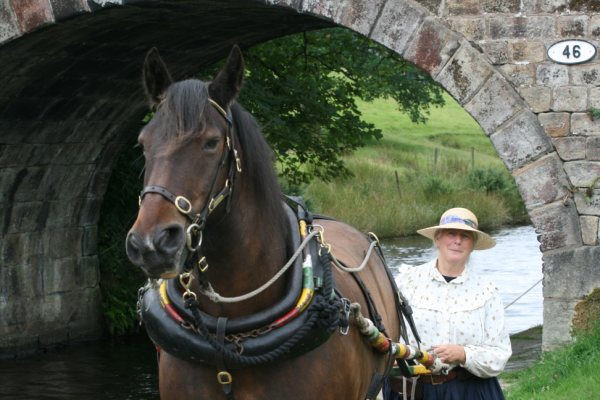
(515, 264)
(93, 371)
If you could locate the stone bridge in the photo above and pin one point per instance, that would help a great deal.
(70, 94)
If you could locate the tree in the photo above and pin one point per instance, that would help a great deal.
(303, 89)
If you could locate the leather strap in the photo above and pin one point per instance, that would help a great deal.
(459, 373)
(223, 376)
(160, 190)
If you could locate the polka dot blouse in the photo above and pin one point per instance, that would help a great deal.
(466, 311)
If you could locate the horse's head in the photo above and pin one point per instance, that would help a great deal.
(190, 161)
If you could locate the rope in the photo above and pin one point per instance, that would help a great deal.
(523, 294)
(209, 292)
(361, 266)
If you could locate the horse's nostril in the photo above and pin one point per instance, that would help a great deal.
(133, 245)
(170, 239)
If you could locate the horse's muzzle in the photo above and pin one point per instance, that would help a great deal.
(157, 253)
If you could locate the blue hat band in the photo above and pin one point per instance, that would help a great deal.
(454, 219)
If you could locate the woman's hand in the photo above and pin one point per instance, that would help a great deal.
(450, 353)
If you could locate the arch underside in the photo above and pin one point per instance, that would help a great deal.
(71, 94)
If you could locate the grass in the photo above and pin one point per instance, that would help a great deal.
(416, 171)
(567, 373)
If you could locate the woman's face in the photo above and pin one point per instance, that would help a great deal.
(454, 245)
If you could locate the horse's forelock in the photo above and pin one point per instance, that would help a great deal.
(183, 110)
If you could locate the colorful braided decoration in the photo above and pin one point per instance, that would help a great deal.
(428, 363)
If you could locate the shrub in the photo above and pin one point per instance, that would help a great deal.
(487, 180)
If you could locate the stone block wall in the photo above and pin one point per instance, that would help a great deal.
(70, 93)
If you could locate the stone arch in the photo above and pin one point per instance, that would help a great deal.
(70, 87)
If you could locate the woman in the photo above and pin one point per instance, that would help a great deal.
(458, 314)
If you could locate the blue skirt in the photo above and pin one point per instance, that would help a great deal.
(468, 389)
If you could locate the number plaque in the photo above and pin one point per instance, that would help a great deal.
(571, 52)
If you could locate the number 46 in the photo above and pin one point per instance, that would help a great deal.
(576, 51)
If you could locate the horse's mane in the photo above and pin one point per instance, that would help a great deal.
(186, 107)
(257, 166)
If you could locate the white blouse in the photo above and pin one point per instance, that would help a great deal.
(467, 311)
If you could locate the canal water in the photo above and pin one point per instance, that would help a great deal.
(127, 370)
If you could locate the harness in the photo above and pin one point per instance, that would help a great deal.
(306, 317)
(293, 326)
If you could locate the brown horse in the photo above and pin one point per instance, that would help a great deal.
(195, 147)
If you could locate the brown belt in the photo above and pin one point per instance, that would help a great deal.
(456, 373)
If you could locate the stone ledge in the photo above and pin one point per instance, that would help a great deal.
(487, 110)
(589, 229)
(542, 181)
(583, 173)
(571, 273)
(519, 74)
(496, 50)
(521, 141)
(432, 46)
(465, 73)
(569, 98)
(359, 19)
(552, 74)
(559, 225)
(583, 124)
(570, 148)
(588, 203)
(592, 148)
(558, 316)
(397, 23)
(32, 15)
(8, 24)
(521, 27)
(572, 26)
(539, 98)
(67, 8)
(555, 124)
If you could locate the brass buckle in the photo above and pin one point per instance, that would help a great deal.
(187, 205)
(224, 378)
(202, 264)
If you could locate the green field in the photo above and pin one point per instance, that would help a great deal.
(416, 171)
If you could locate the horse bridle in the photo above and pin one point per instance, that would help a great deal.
(184, 206)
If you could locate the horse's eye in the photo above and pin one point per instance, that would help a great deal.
(211, 144)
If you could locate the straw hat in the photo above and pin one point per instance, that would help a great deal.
(460, 218)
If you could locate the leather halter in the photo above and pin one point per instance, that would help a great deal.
(184, 206)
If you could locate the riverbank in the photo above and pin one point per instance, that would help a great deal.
(416, 171)
(566, 373)
(526, 349)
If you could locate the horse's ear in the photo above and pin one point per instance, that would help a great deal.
(156, 76)
(228, 82)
